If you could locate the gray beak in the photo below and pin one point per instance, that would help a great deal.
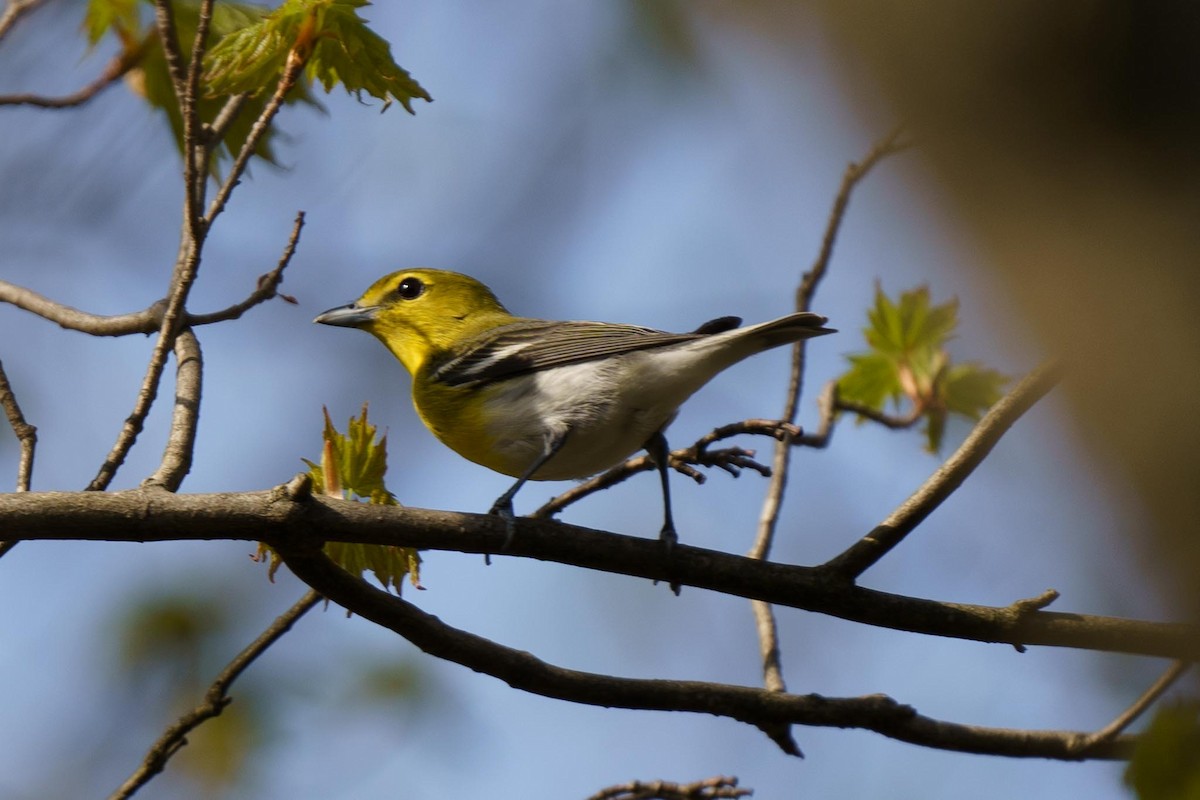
(351, 316)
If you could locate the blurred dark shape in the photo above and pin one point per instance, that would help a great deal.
(1064, 138)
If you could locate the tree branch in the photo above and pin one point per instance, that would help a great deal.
(215, 700)
(14, 11)
(181, 442)
(717, 788)
(773, 501)
(272, 516)
(26, 434)
(759, 707)
(1127, 717)
(732, 460)
(268, 285)
(983, 437)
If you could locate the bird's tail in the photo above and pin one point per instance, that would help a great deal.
(785, 330)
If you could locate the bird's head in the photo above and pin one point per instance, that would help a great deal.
(419, 313)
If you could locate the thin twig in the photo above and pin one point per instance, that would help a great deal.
(116, 68)
(215, 699)
(187, 264)
(195, 142)
(146, 321)
(14, 11)
(26, 433)
(1135, 710)
(805, 292)
(181, 284)
(164, 19)
(268, 285)
(773, 501)
(717, 788)
(287, 81)
(860, 556)
(181, 442)
(894, 422)
(732, 460)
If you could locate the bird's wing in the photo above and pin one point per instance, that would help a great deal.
(532, 345)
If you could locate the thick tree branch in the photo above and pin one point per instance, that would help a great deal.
(156, 515)
(215, 699)
(983, 437)
(759, 707)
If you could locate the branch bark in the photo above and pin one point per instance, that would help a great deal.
(145, 515)
(759, 707)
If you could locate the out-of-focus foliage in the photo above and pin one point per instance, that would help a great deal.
(907, 359)
(176, 641)
(1166, 763)
(352, 466)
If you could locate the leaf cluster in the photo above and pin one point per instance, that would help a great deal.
(907, 360)
(352, 467)
(248, 48)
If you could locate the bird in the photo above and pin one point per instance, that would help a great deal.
(547, 400)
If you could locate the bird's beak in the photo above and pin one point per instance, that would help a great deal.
(351, 316)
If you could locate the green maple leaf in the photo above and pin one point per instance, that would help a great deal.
(333, 40)
(352, 466)
(908, 362)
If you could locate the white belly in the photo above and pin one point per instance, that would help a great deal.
(605, 420)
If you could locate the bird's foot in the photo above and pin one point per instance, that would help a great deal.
(669, 538)
(503, 508)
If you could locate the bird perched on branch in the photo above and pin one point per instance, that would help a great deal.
(546, 400)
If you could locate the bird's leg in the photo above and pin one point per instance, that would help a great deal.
(660, 454)
(503, 507)
(656, 447)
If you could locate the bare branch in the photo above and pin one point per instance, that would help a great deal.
(164, 18)
(149, 319)
(26, 433)
(155, 515)
(759, 707)
(732, 460)
(267, 288)
(113, 72)
(805, 292)
(14, 11)
(215, 699)
(287, 81)
(717, 788)
(896, 423)
(1129, 715)
(181, 442)
(983, 437)
(773, 501)
(145, 321)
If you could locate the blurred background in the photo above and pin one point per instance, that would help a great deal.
(660, 163)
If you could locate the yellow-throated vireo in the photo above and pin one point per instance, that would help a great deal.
(546, 400)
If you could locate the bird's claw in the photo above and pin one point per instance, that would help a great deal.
(503, 509)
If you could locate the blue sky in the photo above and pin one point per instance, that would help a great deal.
(578, 169)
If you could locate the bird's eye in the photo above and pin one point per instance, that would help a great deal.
(410, 288)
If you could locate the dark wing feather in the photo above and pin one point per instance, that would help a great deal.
(537, 345)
